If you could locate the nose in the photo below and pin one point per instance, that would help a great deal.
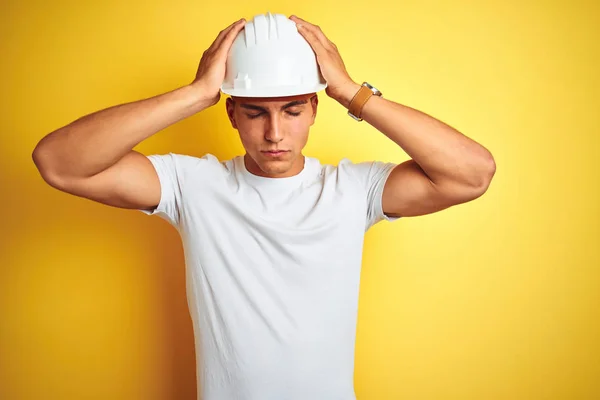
(273, 132)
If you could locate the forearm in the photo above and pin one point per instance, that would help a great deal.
(444, 154)
(97, 141)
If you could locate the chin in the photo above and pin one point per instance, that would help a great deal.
(275, 166)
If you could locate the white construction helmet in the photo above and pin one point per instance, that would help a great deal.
(270, 58)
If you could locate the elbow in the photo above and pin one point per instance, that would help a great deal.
(489, 171)
(472, 184)
(484, 175)
(43, 162)
(39, 160)
(37, 156)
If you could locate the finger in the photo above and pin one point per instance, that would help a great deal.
(237, 25)
(230, 36)
(312, 39)
(315, 29)
(225, 31)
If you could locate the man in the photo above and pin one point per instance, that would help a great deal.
(273, 239)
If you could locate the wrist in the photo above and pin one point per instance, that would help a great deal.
(201, 96)
(345, 95)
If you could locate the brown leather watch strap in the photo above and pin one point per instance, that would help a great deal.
(359, 100)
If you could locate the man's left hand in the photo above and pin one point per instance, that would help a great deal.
(339, 84)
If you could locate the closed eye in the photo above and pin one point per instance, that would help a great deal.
(294, 114)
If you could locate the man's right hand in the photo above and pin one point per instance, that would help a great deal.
(93, 157)
(211, 71)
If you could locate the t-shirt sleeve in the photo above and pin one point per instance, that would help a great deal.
(170, 178)
(372, 176)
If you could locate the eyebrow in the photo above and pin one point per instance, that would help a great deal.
(288, 105)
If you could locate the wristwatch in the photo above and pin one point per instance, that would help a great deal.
(360, 98)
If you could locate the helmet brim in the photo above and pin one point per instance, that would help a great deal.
(278, 91)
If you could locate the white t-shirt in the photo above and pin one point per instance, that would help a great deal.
(272, 271)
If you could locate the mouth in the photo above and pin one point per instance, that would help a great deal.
(275, 153)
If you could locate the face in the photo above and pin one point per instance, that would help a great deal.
(273, 123)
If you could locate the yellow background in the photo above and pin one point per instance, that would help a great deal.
(493, 299)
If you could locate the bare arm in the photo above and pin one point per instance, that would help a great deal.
(93, 157)
(93, 143)
(447, 167)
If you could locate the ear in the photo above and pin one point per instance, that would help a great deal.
(314, 102)
(230, 105)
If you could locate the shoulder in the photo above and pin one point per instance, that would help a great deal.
(366, 173)
(189, 161)
(185, 165)
(344, 165)
(356, 170)
(344, 173)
